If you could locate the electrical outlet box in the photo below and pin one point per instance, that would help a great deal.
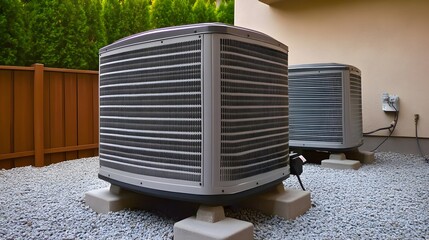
(390, 103)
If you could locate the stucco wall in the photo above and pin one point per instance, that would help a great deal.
(388, 40)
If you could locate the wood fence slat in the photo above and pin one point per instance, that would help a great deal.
(46, 116)
(70, 98)
(6, 121)
(85, 115)
(23, 116)
(38, 80)
(56, 109)
(95, 110)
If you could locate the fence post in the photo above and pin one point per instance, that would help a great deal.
(39, 154)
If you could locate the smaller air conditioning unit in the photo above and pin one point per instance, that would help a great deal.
(325, 106)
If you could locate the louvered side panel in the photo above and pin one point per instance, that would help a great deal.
(315, 105)
(356, 108)
(254, 110)
(150, 110)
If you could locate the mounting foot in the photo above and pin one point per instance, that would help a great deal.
(211, 223)
(339, 161)
(114, 199)
(364, 157)
(281, 201)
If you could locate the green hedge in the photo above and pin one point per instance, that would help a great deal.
(68, 33)
(13, 37)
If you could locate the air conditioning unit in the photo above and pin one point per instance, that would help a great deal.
(325, 106)
(195, 112)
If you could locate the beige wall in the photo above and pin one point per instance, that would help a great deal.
(388, 40)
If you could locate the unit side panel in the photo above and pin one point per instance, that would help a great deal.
(325, 107)
(151, 114)
(316, 108)
(254, 113)
(355, 125)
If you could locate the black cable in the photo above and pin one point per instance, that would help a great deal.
(388, 136)
(418, 143)
(382, 128)
(300, 182)
(393, 128)
(377, 130)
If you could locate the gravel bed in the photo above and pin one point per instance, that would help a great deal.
(385, 200)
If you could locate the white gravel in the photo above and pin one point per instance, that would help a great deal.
(385, 200)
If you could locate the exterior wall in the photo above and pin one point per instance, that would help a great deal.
(388, 40)
(396, 144)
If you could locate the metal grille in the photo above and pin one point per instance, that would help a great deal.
(254, 108)
(356, 107)
(150, 111)
(316, 110)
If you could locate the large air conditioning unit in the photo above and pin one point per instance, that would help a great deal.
(195, 112)
(325, 107)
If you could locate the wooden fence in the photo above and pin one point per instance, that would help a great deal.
(47, 115)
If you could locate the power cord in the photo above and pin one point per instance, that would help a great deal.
(392, 125)
(296, 161)
(300, 182)
(379, 129)
(391, 130)
(416, 120)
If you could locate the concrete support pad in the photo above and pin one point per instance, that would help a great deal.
(114, 199)
(209, 224)
(341, 164)
(287, 203)
(339, 161)
(210, 221)
(364, 157)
